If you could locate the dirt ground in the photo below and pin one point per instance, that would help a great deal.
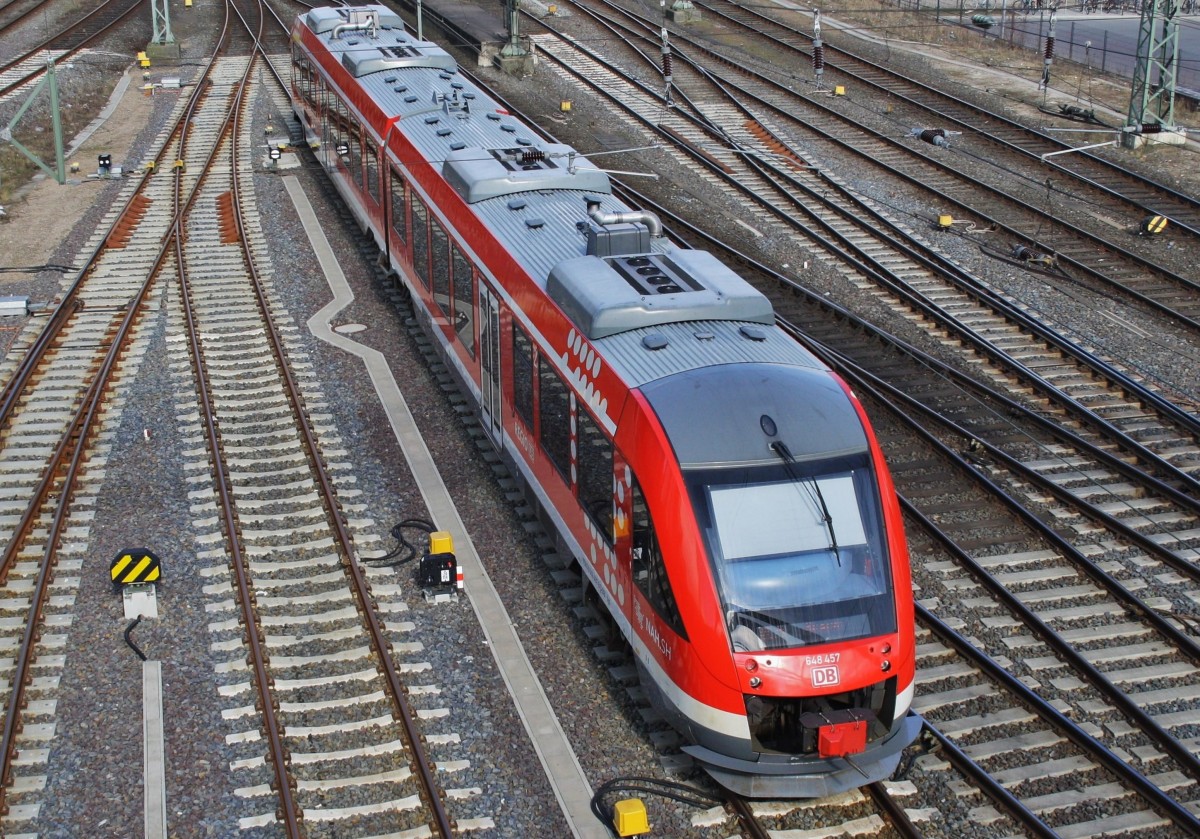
(44, 212)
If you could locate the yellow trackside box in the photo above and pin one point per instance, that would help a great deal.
(629, 817)
(440, 542)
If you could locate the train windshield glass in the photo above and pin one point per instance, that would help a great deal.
(798, 551)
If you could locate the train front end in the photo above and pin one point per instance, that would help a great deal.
(805, 633)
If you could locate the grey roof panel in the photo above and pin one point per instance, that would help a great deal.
(616, 294)
(324, 20)
(370, 58)
(478, 174)
(698, 344)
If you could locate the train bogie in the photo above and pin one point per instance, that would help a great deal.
(720, 487)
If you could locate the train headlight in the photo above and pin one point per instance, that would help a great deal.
(755, 681)
(886, 666)
(751, 665)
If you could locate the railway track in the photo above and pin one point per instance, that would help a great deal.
(339, 724)
(22, 70)
(808, 128)
(50, 410)
(344, 747)
(1087, 170)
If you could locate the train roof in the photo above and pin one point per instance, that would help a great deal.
(551, 208)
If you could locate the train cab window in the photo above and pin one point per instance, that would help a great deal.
(554, 417)
(594, 471)
(523, 375)
(420, 239)
(464, 299)
(798, 551)
(371, 157)
(399, 208)
(649, 571)
(440, 246)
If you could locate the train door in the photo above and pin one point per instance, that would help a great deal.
(489, 340)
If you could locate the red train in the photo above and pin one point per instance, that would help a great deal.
(720, 487)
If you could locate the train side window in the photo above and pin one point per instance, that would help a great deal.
(554, 417)
(399, 208)
(464, 299)
(594, 468)
(371, 156)
(441, 265)
(354, 161)
(420, 239)
(649, 571)
(301, 73)
(523, 375)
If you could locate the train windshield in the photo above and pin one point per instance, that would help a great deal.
(798, 551)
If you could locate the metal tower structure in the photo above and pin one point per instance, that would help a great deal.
(512, 18)
(162, 23)
(50, 82)
(1152, 99)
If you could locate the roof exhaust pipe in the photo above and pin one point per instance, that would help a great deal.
(635, 217)
(359, 20)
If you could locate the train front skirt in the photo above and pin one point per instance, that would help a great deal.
(788, 776)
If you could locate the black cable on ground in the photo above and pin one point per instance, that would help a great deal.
(133, 625)
(682, 793)
(405, 551)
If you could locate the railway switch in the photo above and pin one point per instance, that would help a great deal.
(629, 817)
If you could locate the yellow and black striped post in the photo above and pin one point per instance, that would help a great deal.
(1153, 225)
(137, 565)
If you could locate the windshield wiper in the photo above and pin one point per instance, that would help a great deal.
(785, 454)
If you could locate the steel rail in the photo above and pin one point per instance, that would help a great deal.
(360, 589)
(992, 788)
(895, 814)
(1169, 807)
(1076, 234)
(34, 6)
(277, 755)
(1185, 202)
(66, 458)
(73, 442)
(72, 48)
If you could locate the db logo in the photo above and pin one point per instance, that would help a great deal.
(823, 677)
